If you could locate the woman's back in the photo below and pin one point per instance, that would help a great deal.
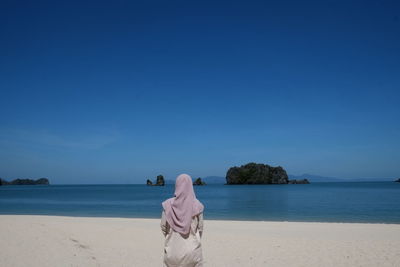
(183, 250)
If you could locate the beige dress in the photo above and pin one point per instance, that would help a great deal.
(180, 250)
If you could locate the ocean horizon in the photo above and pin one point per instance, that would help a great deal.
(364, 202)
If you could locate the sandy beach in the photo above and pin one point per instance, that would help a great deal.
(80, 241)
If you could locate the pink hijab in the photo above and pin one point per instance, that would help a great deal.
(180, 209)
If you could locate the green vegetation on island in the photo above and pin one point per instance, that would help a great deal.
(40, 181)
(256, 173)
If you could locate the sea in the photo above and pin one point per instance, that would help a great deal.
(365, 202)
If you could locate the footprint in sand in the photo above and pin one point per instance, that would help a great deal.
(79, 244)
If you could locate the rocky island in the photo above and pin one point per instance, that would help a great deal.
(397, 181)
(40, 181)
(198, 181)
(159, 182)
(256, 173)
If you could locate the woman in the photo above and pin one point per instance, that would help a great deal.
(182, 226)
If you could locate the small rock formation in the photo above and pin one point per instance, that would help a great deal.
(303, 181)
(159, 182)
(41, 181)
(397, 181)
(198, 181)
(253, 173)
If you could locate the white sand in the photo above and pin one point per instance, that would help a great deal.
(76, 241)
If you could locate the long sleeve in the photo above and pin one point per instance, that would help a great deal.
(201, 224)
(164, 224)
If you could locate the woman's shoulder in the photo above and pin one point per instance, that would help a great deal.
(167, 203)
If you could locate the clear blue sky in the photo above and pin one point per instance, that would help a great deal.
(121, 91)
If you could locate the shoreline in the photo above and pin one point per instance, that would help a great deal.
(41, 240)
(219, 219)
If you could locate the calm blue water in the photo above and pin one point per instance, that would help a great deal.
(377, 202)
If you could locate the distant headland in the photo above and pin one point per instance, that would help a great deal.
(40, 181)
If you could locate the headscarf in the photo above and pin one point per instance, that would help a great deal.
(180, 209)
